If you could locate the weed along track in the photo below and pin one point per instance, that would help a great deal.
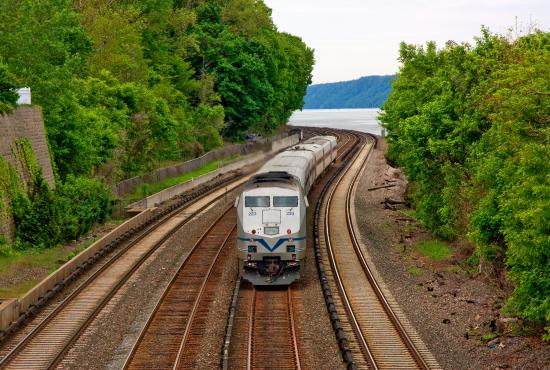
(378, 333)
(46, 345)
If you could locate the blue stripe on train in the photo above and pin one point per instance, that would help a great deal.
(264, 243)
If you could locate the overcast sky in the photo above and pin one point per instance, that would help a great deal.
(354, 38)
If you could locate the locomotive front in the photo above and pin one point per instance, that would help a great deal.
(271, 231)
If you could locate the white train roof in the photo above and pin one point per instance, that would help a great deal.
(299, 159)
(320, 139)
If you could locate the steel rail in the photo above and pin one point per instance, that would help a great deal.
(374, 283)
(173, 280)
(293, 340)
(101, 303)
(341, 337)
(251, 330)
(230, 325)
(293, 330)
(197, 301)
(338, 280)
(401, 331)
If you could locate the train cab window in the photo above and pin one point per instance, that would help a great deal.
(287, 201)
(259, 201)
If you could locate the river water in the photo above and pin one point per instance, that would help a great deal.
(364, 120)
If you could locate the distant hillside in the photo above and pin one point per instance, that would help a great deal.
(365, 92)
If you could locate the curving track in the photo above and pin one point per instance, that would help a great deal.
(262, 332)
(379, 333)
(48, 342)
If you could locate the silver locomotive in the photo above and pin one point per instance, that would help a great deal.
(271, 229)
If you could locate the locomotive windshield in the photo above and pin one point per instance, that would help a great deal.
(288, 201)
(259, 201)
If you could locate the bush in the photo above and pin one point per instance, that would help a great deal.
(44, 218)
(37, 215)
(82, 203)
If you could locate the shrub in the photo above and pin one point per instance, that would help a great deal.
(82, 202)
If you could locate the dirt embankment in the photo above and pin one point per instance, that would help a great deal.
(455, 310)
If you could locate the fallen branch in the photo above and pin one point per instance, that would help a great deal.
(381, 187)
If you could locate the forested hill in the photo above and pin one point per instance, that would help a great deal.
(365, 92)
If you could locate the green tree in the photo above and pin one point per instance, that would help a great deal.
(8, 96)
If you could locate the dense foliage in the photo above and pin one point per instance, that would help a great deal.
(45, 218)
(8, 96)
(365, 92)
(471, 127)
(126, 86)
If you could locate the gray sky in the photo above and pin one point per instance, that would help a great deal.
(354, 38)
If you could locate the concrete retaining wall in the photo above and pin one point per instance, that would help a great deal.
(9, 311)
(284, 143)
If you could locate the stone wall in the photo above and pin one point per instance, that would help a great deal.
(26, 122)
(23, 122)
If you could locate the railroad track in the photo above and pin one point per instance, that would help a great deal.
(172, 336)
(346, 139)
(45, 346)
(379, 334)
(264, 330)
(272, 341)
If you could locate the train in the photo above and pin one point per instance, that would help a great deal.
(271, 212)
